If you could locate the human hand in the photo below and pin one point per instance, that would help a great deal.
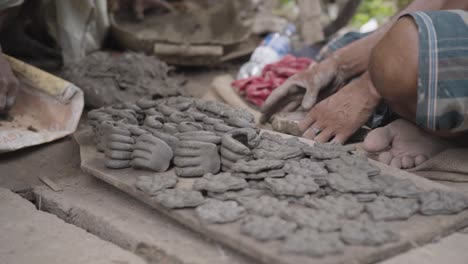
(302, 89)
(9, 86)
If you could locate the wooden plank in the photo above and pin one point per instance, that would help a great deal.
(417, 230)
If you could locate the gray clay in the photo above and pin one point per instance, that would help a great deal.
(264, 206)
(145, 103)
(323, 151)
(239, 122)
(312, 243)
(179, 198)
(118, 154)
(223, 128)
(246, 136)
(117, 164)
(182, 106)
(309, 218)
(153, 123)
(201, 136)
(256, 166)
(197, 116)
(205, 159)
(170, 140)
(354, 182)
(396, 187)
(345, 206)
(232, 156)
(392, 209)
(170, 128)
(365, 197)
(189, 126)
(309, 168)
(220, 212)
(166, 110)
(151, 153)
(367, 233)
(260, 175)
(151, 185)
(437, 202)
(276, 153)
(178, 117)
(113, 145)
(292, 185)
(236, 195)
(360, 162)
(219, 183)
(137, 131)
(266, 228)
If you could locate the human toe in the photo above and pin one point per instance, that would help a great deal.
(385, 157)
(407, 162)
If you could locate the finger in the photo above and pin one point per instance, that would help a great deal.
(188, 152)
(187, 161)
(117, 154)
(189, 171)
(291, 106)
(120, 146)
(307, 121)
(311, 133)
(278, 99)
(138, 9)
(3, 94)
(310, 98)
(139, 163)
(117, 164)
(385, 157)
(140, 154)
(121, 138)
(340, 138)
(325, 135)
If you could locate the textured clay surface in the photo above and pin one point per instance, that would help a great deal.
(151, 153)
(263, 206)
(219, 183)
(312, 243)
(391, 209)
(309, 218)
(442, 202)
(367, 233)
(179, 198)
(150, 185)
(345, 206)
(220, 212)
(292, 185)
(266, 228)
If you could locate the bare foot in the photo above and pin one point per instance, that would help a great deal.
(402, 144)
(341, 114)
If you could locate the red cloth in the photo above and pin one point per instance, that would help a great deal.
(256, 89)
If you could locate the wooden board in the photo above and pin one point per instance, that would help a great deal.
(416, 231)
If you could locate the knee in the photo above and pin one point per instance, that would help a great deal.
(393, 65)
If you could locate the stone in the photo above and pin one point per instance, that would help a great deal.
(292, 185)
(151, 153)
(220, 212)
(151, 185)
(219, 183)
(312, 243)
(263, 206)
(392, 209)
(436, 202)
(179, 198)
(266, 228)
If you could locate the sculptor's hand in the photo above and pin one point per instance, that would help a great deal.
(301, 89)
(9, 85)
(139, 6)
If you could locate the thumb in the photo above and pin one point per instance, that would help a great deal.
(309, 99)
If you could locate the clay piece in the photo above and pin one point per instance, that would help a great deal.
(189, 127)
(345, 206)
(396, 187)
(392, 209)
(220, 212)
(152, 123)
(219, 183)
(118, 147)
(260, 175)
(209, 122)
(367, 233)
(266, 228)
(237, 144)
(437, 202)
(222, 128)
(170, 128)
(179, 198)
(353, 181)
(263, 206)
(322, 151)
(360, 162)
(276, 148)
(239, 122)
(237, 195)
(170, 140)
(151, 153)
(197, 116)
(312, 243)
(179, 117)
(195, 158)
(365, 197)
(257, 166)
(309, 168)
(292, 185)
(310, 218)
(201, 136)
(151, 185)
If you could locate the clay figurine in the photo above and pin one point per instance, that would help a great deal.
(151, 153)
(353, 181)
(201, 136)
(396, 187)
(220, 212)
(195, 158)
(256, 166)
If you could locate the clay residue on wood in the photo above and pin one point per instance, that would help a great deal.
(113, 78)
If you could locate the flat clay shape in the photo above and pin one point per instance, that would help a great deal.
(219, 183)
(256, 166)
(314, 244)
(392, 209)
(345, 206)
(179, 117)
(170, 140)
(263, 206)
(189, 126)
(365, 197)
(117, 164)
(276, 152)
(201, 136)
(194, 159)
(266, 228)
(197, 115)
(170, 128)
(396, 187)
(151, 153)
(437, 202)
(360, 162)
(179, 198)
(261, 175)
(367, 233)
(292, 185)
(239, 122)
(151, 185)
(309, 218)
(236, 195)
(220, 212)
(353, 182)
(153, 122)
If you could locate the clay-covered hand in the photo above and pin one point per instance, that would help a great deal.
(9, 86)
(151, 153)
(195, 158)
(301, 89)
